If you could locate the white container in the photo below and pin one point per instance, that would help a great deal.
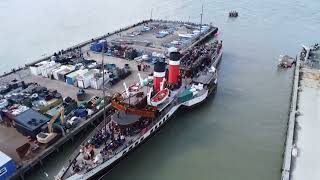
(71, 78)
(62, 69)
(55, 72)
(48, 68)
(36, 69)
(84, 79)
(96, 82)
(62, 74)
(43, 68)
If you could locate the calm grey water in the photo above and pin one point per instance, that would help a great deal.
(239, 133)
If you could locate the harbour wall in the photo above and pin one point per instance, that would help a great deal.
(287, 158)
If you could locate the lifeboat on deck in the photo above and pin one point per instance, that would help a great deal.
(160, 97)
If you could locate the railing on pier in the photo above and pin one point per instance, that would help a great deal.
(287, 160)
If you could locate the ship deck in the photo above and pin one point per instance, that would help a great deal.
(88, 165)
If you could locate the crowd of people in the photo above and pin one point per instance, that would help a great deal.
(198, 57)
(108, 140)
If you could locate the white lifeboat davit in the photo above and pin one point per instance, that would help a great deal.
(160, 97)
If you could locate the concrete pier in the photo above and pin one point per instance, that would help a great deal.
(286, 167)
(305, 163)
(301, 151)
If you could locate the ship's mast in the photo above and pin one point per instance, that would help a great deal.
(103, 88)
(201, 14)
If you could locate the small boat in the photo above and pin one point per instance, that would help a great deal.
(233, 14)
(160, 97)
(286, 61)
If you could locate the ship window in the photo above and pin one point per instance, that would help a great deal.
(136, 143)
(167, 116)
(124, 152)
(141, 138)
(152, 130)
(156, 126)
(130, 147)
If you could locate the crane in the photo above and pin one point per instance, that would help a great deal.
(44, 137)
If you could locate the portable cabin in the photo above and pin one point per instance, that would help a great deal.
(7, 166)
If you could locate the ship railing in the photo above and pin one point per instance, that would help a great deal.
(119, 149)
(168, 108)
(75, 154)
(127, 143)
